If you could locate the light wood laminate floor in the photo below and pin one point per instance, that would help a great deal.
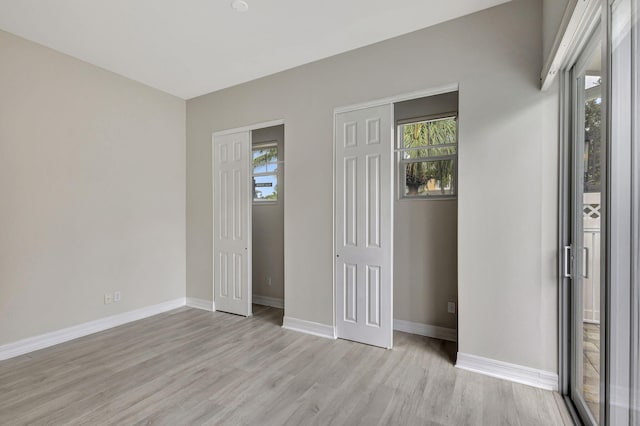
(591, 366)
(190, 366)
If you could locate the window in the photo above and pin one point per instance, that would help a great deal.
(428, 157)
(265, 173)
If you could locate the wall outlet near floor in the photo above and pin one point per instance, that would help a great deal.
(117, 296)
(108, 298)
(269, 281)
(451, 307)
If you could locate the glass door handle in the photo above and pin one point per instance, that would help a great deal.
(585, 262)
(567, 262)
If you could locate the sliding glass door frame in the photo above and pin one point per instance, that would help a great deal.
(569, 261)
(579, 253)
(635, 224)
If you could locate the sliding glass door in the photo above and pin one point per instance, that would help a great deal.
(585, 254)
(624, 215)
(600, 223)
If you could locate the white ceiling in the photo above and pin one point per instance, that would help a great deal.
(192, 47)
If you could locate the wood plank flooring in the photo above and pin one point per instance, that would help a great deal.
(591, 367)
(195, 367)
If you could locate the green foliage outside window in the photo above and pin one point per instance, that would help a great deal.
(592, 147)
(262, 157)
(426, 137)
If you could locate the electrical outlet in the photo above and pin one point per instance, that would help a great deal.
(117, 296)
(269, 281)
(451, 307)
(108, 298)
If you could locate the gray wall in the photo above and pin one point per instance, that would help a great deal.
(507, 199)
(425, 264)
(92, 192)
(268, 228)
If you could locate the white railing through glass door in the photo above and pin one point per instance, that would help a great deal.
(591, 281)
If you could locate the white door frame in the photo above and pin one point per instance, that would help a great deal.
(437, 90)
(249, 128)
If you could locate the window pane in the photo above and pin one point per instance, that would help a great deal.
(263, 156)
(429, 178)
(272, 167)
(265, 188)
(432, 132)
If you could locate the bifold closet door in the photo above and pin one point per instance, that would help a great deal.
(232, 223)
(363, 225)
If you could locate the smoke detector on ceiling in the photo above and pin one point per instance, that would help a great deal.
(240, 5)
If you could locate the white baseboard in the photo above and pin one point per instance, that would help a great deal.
(442, 333)
(206, 305)
(309, 327)
(42, 341)
(504, 370)
(274, 302)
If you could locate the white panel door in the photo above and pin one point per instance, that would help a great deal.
(363, 225)
(232, 223)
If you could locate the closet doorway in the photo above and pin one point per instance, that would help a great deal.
(248, 217)
(426, 216)
(378, 175)
(267, 146)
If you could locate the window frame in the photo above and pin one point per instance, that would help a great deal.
(402, 162)
(257, 147)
